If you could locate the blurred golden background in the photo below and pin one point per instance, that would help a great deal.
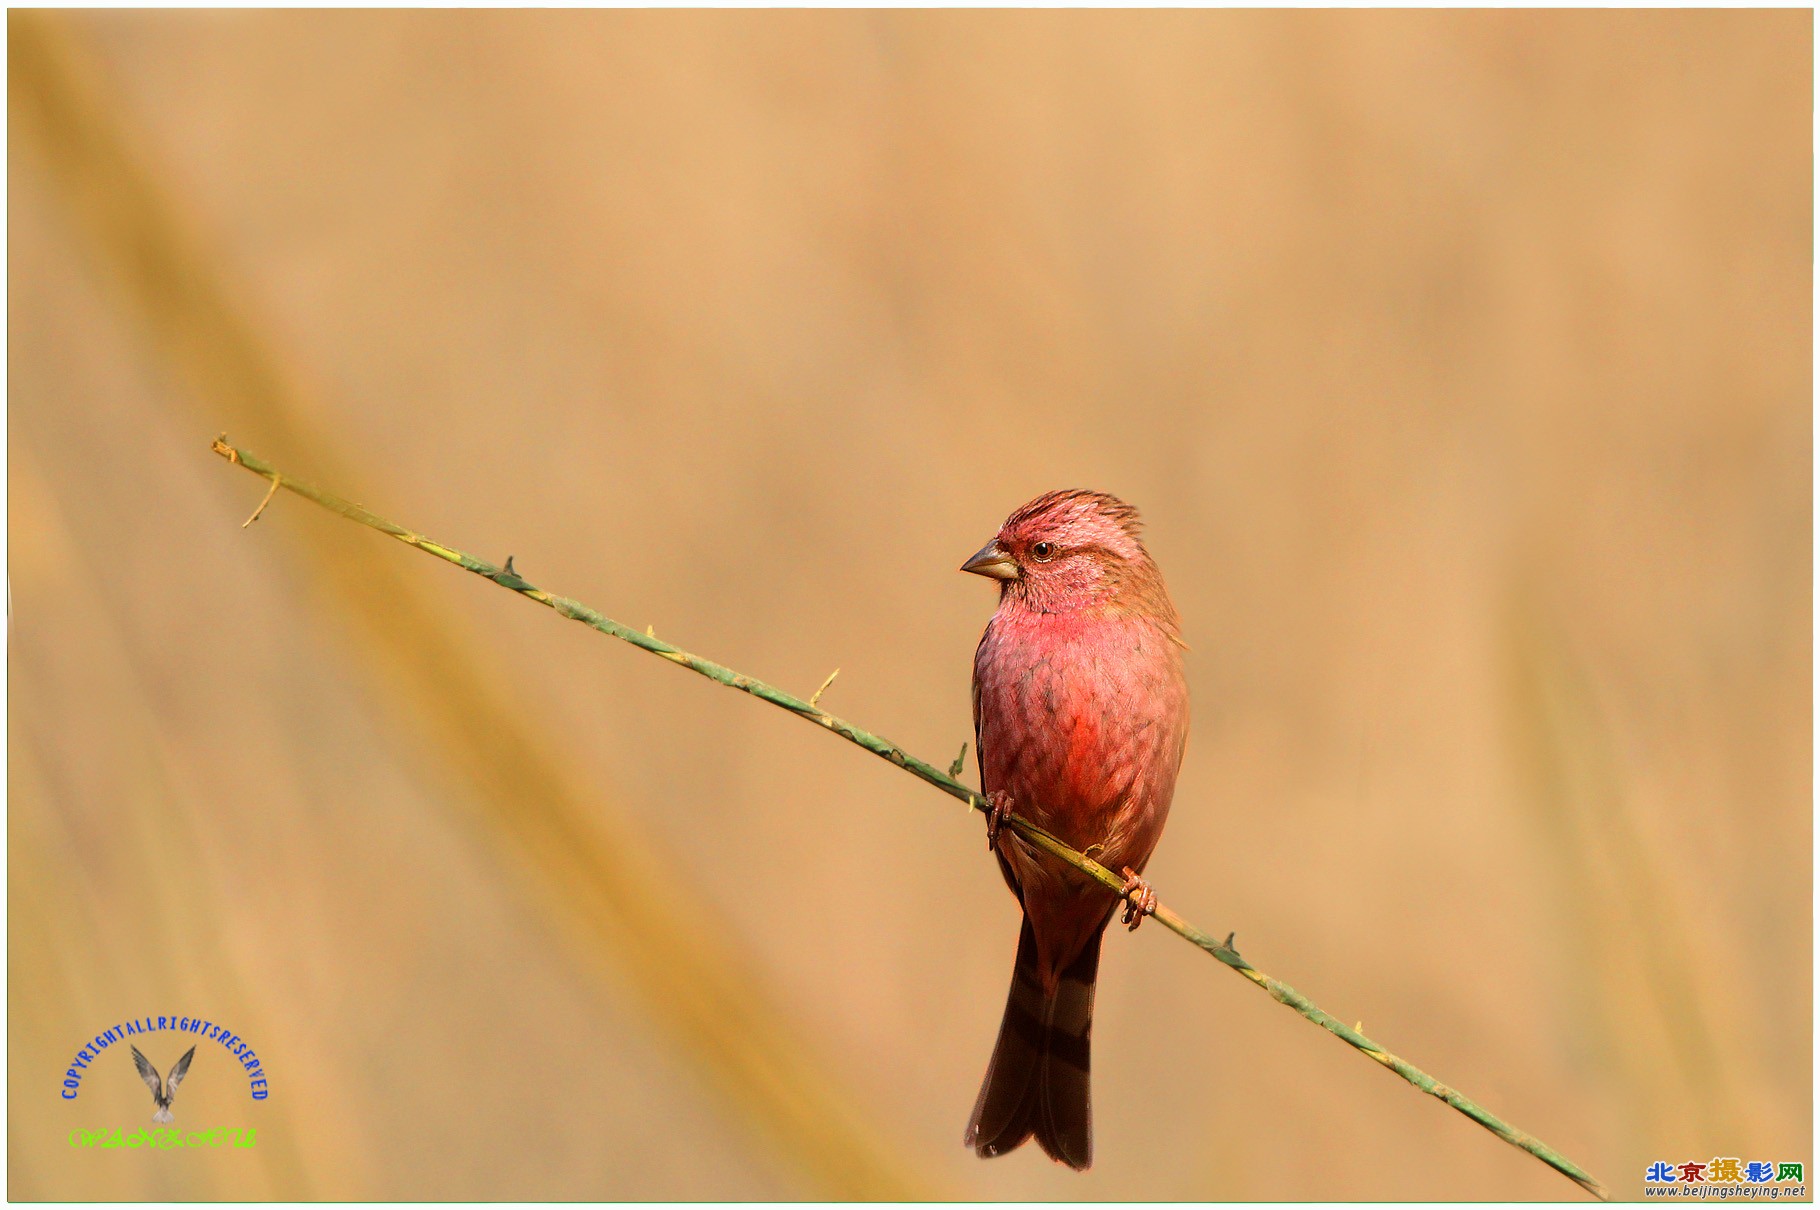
(1460, 363)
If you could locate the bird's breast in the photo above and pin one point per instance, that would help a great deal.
(1083, 721)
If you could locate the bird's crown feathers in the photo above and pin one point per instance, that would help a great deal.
(1076, 511)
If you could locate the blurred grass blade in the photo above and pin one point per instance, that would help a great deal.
(174, 943)
(1635, 936)
(668, 950)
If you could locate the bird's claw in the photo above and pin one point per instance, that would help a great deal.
(1140, 899)
(999, 806)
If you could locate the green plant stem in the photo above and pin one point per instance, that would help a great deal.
(944, 781)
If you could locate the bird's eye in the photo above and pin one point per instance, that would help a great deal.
(1043, 551)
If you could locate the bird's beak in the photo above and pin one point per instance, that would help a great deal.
(992, 561)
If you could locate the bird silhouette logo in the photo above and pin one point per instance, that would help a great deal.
(163, 1090)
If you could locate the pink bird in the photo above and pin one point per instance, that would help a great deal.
(1080, 715)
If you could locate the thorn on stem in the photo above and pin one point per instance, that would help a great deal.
(960, 762)
(650, 631)
(510, 570)
(1227, 944)
(269, 493)
(817, 695)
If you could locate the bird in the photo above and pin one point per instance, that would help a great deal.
(162, 1090)
(1080, 713)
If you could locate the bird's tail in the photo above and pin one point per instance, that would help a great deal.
(1037, 1081)
(163, 1115)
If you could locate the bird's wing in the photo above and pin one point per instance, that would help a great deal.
(979, 757)
(148, 1073)
(177, 1071)
(979, 749)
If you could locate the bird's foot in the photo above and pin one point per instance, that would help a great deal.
(999, 804)
(1140, 899)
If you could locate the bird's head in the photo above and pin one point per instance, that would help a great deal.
(1069, 550)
